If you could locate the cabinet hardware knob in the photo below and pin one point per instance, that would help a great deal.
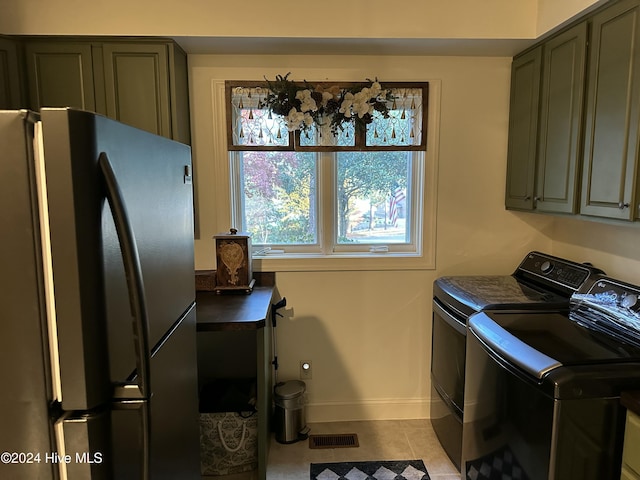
(527, 198)
(622, 206)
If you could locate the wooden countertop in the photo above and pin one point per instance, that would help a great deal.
(631, 400)
(215, 312)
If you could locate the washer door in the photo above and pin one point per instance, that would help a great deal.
(508, 420)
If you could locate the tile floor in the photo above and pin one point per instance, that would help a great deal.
(379, 440)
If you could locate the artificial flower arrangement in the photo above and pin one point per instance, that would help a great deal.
(303, 105)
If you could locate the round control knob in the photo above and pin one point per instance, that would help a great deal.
(629, 301)
(546, 267)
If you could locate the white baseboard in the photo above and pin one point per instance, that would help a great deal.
(386, 409)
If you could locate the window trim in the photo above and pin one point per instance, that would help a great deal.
(221, 219)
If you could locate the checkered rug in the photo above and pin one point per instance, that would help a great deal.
(380, 470)
(499, 465)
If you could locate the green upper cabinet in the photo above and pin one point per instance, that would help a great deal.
(136, 86)
(60, 75)
(141, 83)
(11, 91)
(144, 87)
(523, 128)
(561, 112)
(610, 167)
(578, 128)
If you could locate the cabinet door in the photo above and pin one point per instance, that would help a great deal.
(523, 129)
(137, 87)
(60, 75)
(179, 85)
(10, 75)
(613, 112)
(561, 110)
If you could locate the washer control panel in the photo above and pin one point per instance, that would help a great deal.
(611, 306)
(556, 270)
(614, 293)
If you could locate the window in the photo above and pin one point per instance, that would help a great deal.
(341, 192)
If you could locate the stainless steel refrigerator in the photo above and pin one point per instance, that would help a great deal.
(97, 325)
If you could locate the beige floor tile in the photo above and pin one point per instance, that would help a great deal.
(379, 440)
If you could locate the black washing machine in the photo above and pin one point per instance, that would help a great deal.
(541, 282)
(542, 392)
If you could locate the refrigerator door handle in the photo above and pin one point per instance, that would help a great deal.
(133, 271)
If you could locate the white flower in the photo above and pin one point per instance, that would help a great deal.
(363, 95)
(326, 96)
(345, 106)
(306, 100)
(308, 120)
(361, 105)
(376, 90)
(361, 109)
(294, 119)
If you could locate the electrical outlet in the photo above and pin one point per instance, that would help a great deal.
(305, 369)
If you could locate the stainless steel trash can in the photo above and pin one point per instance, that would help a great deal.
(290, 419)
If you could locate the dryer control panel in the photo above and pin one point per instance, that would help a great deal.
(558, 271)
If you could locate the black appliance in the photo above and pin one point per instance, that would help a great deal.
(97, 337)
(542, 389)
(540, 282)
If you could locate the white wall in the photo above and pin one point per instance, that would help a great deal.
(368, 334)
(435, 19)
(552, 13)
(287, 18)
(614, 247)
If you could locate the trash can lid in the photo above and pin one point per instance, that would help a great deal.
(290, 389)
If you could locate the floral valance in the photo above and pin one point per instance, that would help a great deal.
(287, 115)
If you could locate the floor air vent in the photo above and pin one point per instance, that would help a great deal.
(339, 440)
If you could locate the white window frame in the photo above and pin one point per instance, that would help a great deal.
(326, 213)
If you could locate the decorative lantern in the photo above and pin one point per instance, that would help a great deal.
(234, 273)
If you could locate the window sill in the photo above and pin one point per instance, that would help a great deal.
(342, 262)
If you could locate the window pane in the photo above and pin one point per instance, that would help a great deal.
(279, 195)
(372, 197)
(324, 137)
(258, 127)
(252, 125)
(403, 125)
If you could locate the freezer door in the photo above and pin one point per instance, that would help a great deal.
(174, 422)
(94, 315)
